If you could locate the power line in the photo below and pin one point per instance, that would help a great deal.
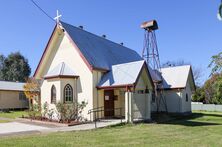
(42, 10)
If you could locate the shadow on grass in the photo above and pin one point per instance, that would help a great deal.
(185, 120)
(191, 123)
(118, 125)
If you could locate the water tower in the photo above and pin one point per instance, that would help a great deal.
(150, 54)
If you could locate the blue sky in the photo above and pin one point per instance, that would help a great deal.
(188, 29)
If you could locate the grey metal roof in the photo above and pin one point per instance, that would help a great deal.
(98, 51)
(155, 75)
(61, 70)
(12, 86)
(122, 74)
(175, 77)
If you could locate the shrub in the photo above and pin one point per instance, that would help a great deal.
(70, 111)
(34, 111)
(50, 113)
(45, 109)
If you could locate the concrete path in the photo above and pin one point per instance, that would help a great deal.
(21, 128)
(13, 127)
(89, 126)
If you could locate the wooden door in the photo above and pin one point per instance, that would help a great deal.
(108, 103)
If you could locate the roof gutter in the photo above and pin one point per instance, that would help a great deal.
(115, 86)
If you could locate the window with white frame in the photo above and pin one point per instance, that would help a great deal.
(68, 93)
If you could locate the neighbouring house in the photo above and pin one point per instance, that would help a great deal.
(79, 66)
(12, 96)
(178, 87)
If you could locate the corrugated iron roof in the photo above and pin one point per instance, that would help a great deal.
(155, 75)
(98, 51)
(175, 77)
(13, 86)
(121, 74)
(61, 70)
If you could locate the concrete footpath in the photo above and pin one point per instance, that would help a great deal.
(23, 128)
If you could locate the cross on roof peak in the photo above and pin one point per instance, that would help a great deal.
(57, 16)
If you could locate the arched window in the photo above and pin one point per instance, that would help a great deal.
(53, 94)
(68, 93)
(186, 97)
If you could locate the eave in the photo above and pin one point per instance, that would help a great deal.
(61, 76)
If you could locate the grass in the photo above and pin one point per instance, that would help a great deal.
(13, 114)
(4, 121)
(199, 129)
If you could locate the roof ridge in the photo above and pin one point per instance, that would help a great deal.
(99, 36)
(176, 66)
(129, 62)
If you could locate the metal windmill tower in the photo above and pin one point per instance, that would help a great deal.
(151, 56)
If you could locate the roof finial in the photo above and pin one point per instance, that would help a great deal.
(57, 16)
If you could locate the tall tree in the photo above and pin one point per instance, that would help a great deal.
(15, 68)
(2, 58)
(211, 92)
(216, 63)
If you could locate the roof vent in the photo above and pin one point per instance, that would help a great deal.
(81, 27)
(104, 36)
(121, 43)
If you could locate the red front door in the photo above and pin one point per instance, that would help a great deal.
(108, 103)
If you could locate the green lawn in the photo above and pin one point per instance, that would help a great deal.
(200, 129)
(13, 114)
(4, 121)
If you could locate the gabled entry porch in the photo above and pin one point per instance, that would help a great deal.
(124, 91)
(110, 105)
(120, 103)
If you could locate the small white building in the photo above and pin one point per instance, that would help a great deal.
(178, 87)
(12, 96)
(78, 65)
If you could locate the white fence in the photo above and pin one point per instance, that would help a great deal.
(206, 107)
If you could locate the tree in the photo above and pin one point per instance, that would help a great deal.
(199, 95)
(213, 89)
(32, 90)
(2, 58)
(15, 68)
(216, 63)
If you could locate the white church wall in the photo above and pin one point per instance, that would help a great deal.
(137, 107)
(173, 101)
(49, 55)
(67, 53)
(97, 94)
(46, 92)
(143, 81)
(186, 105)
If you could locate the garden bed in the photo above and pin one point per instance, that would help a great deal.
(44, 120)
